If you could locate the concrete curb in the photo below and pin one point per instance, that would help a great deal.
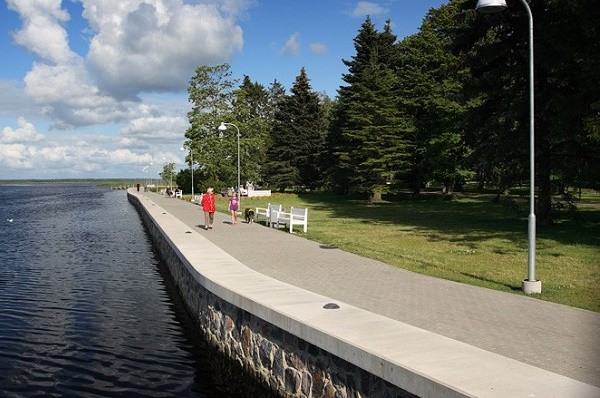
(418, 361)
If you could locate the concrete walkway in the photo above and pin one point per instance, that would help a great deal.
(553, 337)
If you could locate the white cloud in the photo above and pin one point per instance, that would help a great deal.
(236, 7)
(317, 48)
(155, 128)
(292, 45)
(119, 106)
(68, 97)
(42, 31)
(25, 133)
(14, 102)
(14, 156)
(142, 46)
(136, 46)
(76, 157)
(364, 8)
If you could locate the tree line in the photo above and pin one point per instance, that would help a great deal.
(446, 105)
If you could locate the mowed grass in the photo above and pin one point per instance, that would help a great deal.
(470, 240)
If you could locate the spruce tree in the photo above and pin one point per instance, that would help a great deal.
(368, 132)
(297, 139)
(567, 99)
(430, 92)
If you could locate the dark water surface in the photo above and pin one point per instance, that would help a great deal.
(86, 308)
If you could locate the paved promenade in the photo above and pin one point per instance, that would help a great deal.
(552, 337)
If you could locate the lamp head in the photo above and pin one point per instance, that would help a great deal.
(490, 6)
(222, 127)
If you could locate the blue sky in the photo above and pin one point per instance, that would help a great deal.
(97, 88)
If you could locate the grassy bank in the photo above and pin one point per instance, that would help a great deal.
(469, 240)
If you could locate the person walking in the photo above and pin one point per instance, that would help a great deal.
(234, 205)
(209, 207)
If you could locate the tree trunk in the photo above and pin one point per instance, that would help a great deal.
(376, 196)
(480, 182)
(448, 188)
(544, 203)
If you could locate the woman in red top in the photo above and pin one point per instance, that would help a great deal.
(209, 207)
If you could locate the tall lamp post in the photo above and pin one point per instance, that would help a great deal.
(189, 146)
(529, 285)
(223, 127)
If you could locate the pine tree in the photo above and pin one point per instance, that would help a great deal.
(297, 139)
(566, 37)
(430, 92)
(377, 130)
(276, 97)
(368, 132)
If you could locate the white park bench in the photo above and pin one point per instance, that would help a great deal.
(296, 216)
(266, 212)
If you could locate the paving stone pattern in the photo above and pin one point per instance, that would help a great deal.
(554, 337)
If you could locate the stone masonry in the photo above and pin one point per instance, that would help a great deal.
(285, 363)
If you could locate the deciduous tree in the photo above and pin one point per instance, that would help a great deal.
(211, 95)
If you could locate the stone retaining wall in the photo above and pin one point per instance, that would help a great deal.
(286, 363)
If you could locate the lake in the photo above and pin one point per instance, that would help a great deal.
(87, 307)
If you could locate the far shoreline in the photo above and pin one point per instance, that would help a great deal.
(105, 182)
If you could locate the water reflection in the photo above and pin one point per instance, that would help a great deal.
(86, 308)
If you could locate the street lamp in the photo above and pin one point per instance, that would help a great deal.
(529, 285)
(189, 146)
(223, 127)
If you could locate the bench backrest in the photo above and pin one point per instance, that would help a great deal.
(299, 213)
(271, 208)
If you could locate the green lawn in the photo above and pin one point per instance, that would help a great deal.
(469, 239)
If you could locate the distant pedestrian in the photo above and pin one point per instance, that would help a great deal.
(234, 206)
(209, 207)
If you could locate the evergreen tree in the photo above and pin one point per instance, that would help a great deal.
(567, 95)
(566, 40)
(430, 92)
(377, 130)
(326, 160)
(366, 44)
(368, 132)
(497, 124)
(276, 97)
(297, 139)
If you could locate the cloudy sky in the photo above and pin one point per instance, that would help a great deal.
(97, 88)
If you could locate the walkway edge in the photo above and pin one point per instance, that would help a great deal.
(416, 360)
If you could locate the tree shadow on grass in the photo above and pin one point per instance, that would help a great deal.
(470, 220)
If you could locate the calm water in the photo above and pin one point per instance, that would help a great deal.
(84, 307)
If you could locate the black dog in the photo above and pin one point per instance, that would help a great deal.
(249, 213)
